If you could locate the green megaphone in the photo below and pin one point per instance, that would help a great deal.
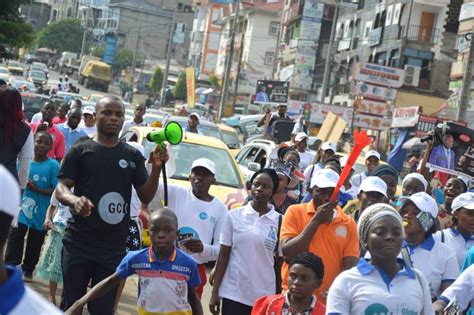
(173, 133)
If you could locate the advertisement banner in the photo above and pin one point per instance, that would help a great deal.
(373, 107)
(371, 122)
(374, 91)
(378, 74)
(272, 92)
(190, 86)
(294, 108)
(405, 117)
(110, 48)
(427, 123)
(453, 150)
(320, 111)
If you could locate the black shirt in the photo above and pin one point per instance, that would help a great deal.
(9, 151)
(105, 176)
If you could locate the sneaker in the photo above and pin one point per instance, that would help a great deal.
(27, 276)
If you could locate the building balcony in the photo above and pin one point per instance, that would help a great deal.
(422, 35)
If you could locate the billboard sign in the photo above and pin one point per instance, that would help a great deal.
(373, 107)
(269, 92)
(378, 74)
(320, 111)
(405, 117)
(374, 91)
(190, 86)
(372, 122)
(110, 48)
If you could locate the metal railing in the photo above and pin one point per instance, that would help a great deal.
(422, 34)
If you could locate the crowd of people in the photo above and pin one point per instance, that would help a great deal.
(73, 191)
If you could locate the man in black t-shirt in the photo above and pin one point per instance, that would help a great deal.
(102, 171)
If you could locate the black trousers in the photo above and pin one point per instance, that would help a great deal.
(79, 266)
(230, 307)
(15, 247)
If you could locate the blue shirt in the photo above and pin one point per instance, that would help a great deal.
(34, 205)
(163, 285)
(71, 136)
(442, 157)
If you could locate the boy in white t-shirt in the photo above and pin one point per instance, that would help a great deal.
(200, 215)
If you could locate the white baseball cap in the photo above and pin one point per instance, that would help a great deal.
(328, 146)
(324, 178)
(206, 163)
(89, 110)
(464, 200)
(372, 153)
(300, 136)
(195, 115)
(424, 202)
(9, 193)
(374, 183)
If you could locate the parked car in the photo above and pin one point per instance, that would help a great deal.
(25, 86)
(207, 128)
(38, 78)
(5, 75)
(255, 156)
(15, 67)
(33, 103)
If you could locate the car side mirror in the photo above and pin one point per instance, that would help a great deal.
(231, 145)
(253, 166)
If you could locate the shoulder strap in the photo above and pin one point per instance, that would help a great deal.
(442, 236)
(406, 257)
(418, 277)
(280, 219)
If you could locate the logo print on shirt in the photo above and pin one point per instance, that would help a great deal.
(112, 208)
(376, 309)
(36, 177)
(341, 231)
(203, 215)
(123, 163)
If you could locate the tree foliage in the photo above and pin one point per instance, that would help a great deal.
(64, 35)
(214, 82)
(98, 52)
(156, 81)
(14, 32)
(180, 88)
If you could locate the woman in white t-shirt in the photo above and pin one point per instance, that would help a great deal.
(460, 237)
(385, 284)
(249, 240)
(419, 212)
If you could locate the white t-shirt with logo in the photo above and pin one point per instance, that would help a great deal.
(363, 290)
(455, 241)
(462, 290)
(253, 238)
(197, 219)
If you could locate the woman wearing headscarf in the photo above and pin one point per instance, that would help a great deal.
(385, 284)
(453, 188)
(16, 138)
(419, 212)
(413, 183)
(249, 241)
(460, 237)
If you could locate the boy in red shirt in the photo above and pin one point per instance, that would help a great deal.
(305, 275)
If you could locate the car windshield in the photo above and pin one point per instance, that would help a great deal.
(3, 70)
(18, 84)
(37, 74)
(209, 131)
(14, 64)
(231, 139)
(39, 65)
(183, 155)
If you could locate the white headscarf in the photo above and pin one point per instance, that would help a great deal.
(417, 176)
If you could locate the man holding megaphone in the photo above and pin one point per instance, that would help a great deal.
(102, 171)
(200, 215)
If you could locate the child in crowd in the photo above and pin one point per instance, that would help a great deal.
(306, 272)
(49, 266)
(167, 275)
(43, 179)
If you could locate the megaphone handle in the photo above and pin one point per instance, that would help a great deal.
(165, 185)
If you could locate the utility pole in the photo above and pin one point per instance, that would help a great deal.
(225, 85)
(466, 84)
(326, 74)
(168, 57)
(135, 52)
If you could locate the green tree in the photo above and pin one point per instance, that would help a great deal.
(65, 35)
(14, 32)
(156, 81)
(214, 82)
(180, 88)
(98, 52)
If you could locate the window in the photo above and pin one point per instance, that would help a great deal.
(269, 57)
(274, 27)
